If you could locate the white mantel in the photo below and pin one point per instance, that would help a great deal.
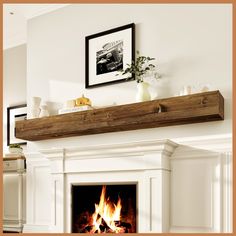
(161, 169)
(111, 157)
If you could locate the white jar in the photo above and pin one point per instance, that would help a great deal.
(35, 110)
(44, 111)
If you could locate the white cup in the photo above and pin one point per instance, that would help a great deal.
(187, 90)
(36, 101)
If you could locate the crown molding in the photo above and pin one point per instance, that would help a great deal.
(45, 9)
(166, 147)
(215, 143)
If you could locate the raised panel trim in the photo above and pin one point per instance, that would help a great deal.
(221, 220)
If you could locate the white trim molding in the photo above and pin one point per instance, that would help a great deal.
(121, 149)
(29, 228)
(216, 143)
(202, 166)
(145, 163)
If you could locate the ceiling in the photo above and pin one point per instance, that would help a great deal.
(15, 18)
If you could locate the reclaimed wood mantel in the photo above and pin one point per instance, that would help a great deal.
(195, 108)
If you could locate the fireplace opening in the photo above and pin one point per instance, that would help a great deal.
(104, 208)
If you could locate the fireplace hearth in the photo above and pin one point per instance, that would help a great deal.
(107, 208)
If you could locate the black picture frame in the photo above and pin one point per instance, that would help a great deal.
(106, 52)
(18, 112)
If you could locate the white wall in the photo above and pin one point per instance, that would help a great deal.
(192, 44)
(14, 82)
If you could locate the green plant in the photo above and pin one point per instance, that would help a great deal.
(15, 146)
(139, 68)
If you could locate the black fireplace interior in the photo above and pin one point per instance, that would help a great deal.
(111, 199)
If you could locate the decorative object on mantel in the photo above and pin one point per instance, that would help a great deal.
(74, 109)
(83, 101)
(15, 113)
(79, 104)
(138, 69)
(70, 103)
(43, 111)
(106, 52)
(196, 108)
(187, 90)
(205, 88)
(35, 108)
(15, 148)
(143, 94)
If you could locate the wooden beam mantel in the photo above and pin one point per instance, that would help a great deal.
(195, 108)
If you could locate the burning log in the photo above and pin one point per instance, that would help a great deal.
(105, 219)
(123, 224)
(104, 228)
(86, 229)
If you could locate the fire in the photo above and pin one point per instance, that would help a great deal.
(106, 215)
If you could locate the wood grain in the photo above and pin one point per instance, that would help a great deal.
(195, 108)
(13, 158)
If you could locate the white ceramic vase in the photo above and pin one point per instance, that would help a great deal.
(44, 111)
(35, 110)
(142, 94)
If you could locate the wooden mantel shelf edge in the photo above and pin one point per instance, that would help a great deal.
(195, 108)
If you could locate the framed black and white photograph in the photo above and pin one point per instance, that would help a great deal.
(106, 53)
(15, 113)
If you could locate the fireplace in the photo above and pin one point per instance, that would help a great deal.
(138, 173)
(154, 167)
(109, 208)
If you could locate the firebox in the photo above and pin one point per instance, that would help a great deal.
(109, 208)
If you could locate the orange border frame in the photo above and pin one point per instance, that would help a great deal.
(144, 2)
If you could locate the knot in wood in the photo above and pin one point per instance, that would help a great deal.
(204, 101)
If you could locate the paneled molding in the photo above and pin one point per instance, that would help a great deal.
(37, 166)
(202, 165)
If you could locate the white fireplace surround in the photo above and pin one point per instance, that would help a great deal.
(158, 167)
(146, 164)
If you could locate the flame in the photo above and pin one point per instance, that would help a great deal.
(106, 213)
